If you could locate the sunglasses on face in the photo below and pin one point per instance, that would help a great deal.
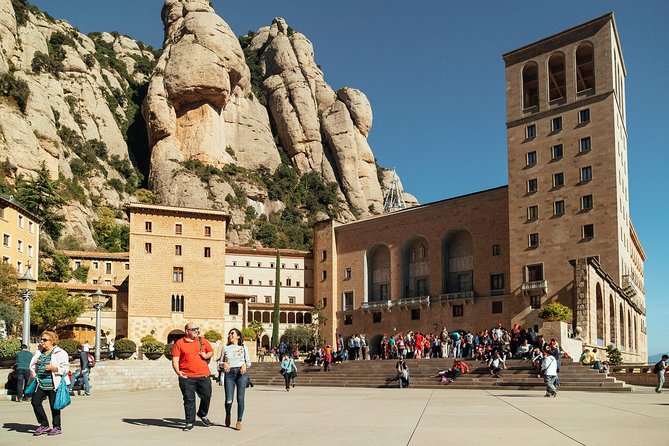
(194, 329)
(45, 340)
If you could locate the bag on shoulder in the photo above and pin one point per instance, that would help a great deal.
(199, 338)
(658, 367)
(91, 361)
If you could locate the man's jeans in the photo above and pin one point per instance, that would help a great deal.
(84, 375)
(550, 384)
(189, 387)
(235, 379)
(660, 381)
(22, 380)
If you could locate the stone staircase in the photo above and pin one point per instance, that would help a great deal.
(145, 375)
(380, 374)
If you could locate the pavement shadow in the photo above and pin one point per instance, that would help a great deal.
(18, 427)
(174, 423)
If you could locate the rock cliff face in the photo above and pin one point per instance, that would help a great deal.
(251, 128)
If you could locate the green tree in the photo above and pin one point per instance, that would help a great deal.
(319, 319)
(8, 284)
(613, 355)
(40, 196)
(81, 274)
(54, 308)
(11, 314)
(110, 235)
(277, 295)
(300, 337)
(257, 328)
(55, 270)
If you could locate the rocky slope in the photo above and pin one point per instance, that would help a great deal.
(251, 128)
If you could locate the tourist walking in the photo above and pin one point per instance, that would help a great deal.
(549, 367)
(23, 358)
(288, 370)
(111, 349)
(49, 365)
(82, 371)
(403, 375)
(189, 361)
(234, 361)
(659, 370)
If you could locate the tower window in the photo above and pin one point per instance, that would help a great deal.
(531, 158)
(584, 144)
(586, 202)
(586, 173)
(556, 124)
(531, 131)
(558, 207)
(584, 116)
(530, 86)
(585, 68)
(557, 86)
(531, 186)
(558, 179)
(533, 212)
(556, 151)
(533, 240)
(588, 231)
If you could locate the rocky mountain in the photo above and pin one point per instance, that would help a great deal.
(247, 125)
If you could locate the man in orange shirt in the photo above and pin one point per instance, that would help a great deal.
(189, 361)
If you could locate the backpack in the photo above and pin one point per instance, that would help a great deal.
(658, 367)
(91, 361)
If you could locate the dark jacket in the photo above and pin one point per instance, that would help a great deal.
(23, 358)
(83, 361)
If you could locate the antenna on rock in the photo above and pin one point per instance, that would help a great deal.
(394, 200)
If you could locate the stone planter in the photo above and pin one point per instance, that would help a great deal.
(7, 363)
(152, 355)
(123, 355)
(169, 357)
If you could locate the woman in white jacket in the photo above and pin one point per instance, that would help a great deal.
(50, 365)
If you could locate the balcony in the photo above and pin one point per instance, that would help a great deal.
(466, 297)
(377, 305)
(407, 302)
(630, 287)
(535, 288)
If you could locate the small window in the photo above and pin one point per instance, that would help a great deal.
(108, 268)
(324, 275)
(533, 240)
(283, 266)
(241, 280)
(289, 282)
(250, 281)
(248, 263)
(207, 251)
(234, 263)
(531, 131)
(324, 255)
(497, 307)
(271, 283)
(415, 314)
(271, 265)
(556, 152)
(558, 179)
(20, 221)
(77, 265)
(586, 173)
(296, 266)
(531, 186)
(96, 264)
(584, 144)
(207, 231)
(558, 207)
(376, 317)
(148, 226)
(268, 299)
(348, 319)
(535, 302)
(126, 266)
(297, 283)
(233, 308)
(588, 231)
(107, 282)
(531, 158)
(556, 124)
(259, 264)
(584, 116)
(30, 250)
(177, 303)
(347, 273)
(496, 284)
(31, 227)
(458, 310)
(496, 250)
(532, 212)
(586, 202)
(178, 229)
(253, 299)
(291, 299)
(147, 250)
(19, 245)
(177, 250)
(348, 300)
(95, 281)
(177, 274)
(6, 240)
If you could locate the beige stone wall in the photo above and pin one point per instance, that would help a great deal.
(151, 283)
(103, 268)
(19, 238)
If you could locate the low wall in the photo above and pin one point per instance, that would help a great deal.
(637, 375)
(558, 330)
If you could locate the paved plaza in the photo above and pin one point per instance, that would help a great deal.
(354, 416)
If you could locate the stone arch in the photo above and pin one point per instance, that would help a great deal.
(175, 335)
(458, 262)
(264, 341)
(623, 340)
(378, 273)
(599, 335)
(291, 318)
(265, 317)
(557, 80)
(630, 333)
(585, 67)
(282, 317)
(307, 318)
(233, 308)
(530, 77)
(416, 267)
(612, 321)
(299, 318)
(257, 316)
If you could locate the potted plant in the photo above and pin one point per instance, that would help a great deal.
(124, 348)
(70, 346)
(212, 336)
(556, 312)
(167, 351)
(8, 350)
(152, 348)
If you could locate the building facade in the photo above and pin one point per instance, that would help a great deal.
(560, 232)
(20, 231)
(104, 268)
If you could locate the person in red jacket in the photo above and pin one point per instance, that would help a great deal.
(459, 368)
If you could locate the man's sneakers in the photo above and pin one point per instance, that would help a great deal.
(658, 391)
(56, 430)
(188, 426)
(41, 430)
(205, 421)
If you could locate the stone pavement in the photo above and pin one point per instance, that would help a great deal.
(355, 416)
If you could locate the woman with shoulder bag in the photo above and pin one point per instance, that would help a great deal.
(288, 370)
(234, 362)
(50, 366)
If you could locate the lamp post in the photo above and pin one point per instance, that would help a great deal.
(98, 298)
(27, 287)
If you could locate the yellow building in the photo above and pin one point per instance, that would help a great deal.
(20, 231)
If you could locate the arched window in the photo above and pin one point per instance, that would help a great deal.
(291, 318)
(299, 318)
(282, 317)
(530, 86)
(585, 68)
(629, 330)
(257, 316)
(234, 308)
(378, 273)
(623, 343)
(177, 303)
(458, 262)
(557, 82)
(612, 322)
(416, 268)
(307, 318)
(266, 317)
(600, 316)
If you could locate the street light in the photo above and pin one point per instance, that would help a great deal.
(27, 287)
(99, 299)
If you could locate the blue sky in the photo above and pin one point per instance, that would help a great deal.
(434, 74)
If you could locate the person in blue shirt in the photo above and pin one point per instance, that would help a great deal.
(23, 358)
(288, 370)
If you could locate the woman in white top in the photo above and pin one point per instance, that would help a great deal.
(234, 361)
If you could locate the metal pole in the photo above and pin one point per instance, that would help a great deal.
(97, 332)
(26, 317)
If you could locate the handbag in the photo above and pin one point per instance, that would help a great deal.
(199, 338)
(30, 390)
(62, 399)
